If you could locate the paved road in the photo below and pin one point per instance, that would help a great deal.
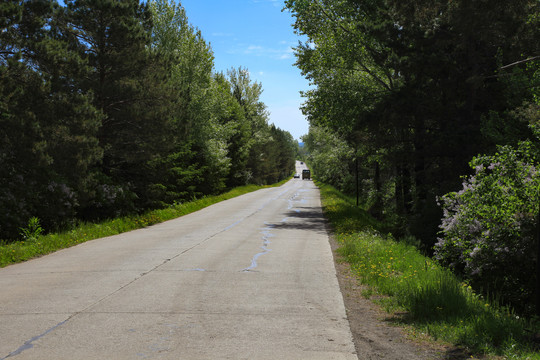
(248, 278)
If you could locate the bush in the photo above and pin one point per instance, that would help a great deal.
(488, 227)
(422, 293)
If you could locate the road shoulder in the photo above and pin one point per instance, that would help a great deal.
(373, 334)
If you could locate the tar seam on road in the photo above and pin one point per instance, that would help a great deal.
(28, 344)
(266, 235)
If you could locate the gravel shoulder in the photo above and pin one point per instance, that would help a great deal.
(374, 335)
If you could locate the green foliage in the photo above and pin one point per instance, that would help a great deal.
(114, 37)
(48, 126)
(32, 231)
(433, 299)
(110, 108)
(490, 225)
(417, 88)
(339, 208)
(330, 157)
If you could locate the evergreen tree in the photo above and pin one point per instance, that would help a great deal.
(48, 125)
(109, 107)
(114, 37)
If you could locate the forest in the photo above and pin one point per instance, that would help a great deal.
(429, 113)
(113, 107)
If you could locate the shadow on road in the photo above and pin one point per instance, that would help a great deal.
(303, 218)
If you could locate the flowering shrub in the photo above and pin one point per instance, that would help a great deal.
(488, 227)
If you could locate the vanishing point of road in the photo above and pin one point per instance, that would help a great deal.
(248, 278)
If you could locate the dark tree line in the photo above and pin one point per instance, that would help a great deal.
(112, 107)
(413, 90)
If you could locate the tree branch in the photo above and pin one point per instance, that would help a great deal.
(362, 65)
(520, 62)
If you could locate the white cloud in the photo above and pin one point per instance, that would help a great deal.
(288, 54)
(279, 53)
(222, 34)
(275, 3)
(254, 49)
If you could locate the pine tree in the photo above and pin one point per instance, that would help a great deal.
(115, 36)
(48, 124)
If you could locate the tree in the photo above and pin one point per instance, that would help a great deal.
(413, 82)
(114, 37)
(330, 157)
(48, 124)
(277, 156)
(197, 162)
(248, 141)
(112, 107)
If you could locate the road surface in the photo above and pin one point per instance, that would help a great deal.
(248, 278)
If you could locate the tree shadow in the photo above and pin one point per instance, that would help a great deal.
(303, 218)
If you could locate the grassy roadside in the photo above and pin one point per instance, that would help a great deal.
(428, 298)
(19, 251)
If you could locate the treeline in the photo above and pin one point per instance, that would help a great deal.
(405, 94)
(111, 107)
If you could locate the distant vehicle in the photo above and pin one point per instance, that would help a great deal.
(297, 176)
(306, 174)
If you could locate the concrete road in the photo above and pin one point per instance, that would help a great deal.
(248, 278)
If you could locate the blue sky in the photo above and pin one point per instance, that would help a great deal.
(257, 35)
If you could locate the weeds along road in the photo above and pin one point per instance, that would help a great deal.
(249, 278)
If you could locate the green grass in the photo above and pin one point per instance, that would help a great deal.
(427, 296)
(15, 252)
